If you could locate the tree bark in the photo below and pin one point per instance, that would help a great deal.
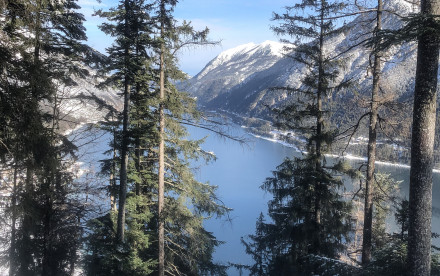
(46, 262)
(124, 162)
(422, 145)
(369, 185)
(113, 205)
(27, 224)
(125, 139)
(12, 249)
(138, 151)
(161, 184)
(25, 256)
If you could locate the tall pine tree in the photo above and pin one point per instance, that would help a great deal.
(371, 154)
(309, 217)
(183, 244)
(129, 65)
(156, 110)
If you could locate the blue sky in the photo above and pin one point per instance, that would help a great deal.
(234, 22)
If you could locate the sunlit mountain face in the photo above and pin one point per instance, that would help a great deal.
(241, 80)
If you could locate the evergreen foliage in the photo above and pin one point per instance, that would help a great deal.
(128, 60)
(309, 216)
(391, 259)
(257, 248)
(188, 246)
(309, 222)
(41, 41)
(281, 247)
(384, 198)
(402, 218)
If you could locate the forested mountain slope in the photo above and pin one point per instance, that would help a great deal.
(239, 80)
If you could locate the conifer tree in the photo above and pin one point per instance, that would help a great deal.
(309, 215)
(164, 19)
(177, 248)
(258, 248)
(42, 39)
(127, 56)
(423, 28)
(378, 111)
(157, 109)
(371, 154)
(386, 193)
(12, 148)
(130, 24)
(402, 218)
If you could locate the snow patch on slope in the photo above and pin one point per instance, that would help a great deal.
(240, 79)
(244, 53)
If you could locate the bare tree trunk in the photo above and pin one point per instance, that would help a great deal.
(27, 224)
(161, 183)
(52, 183)
(138, 151)
(113, 205)
(422, 145)
(46, 262)
(161, 173)
(12, 249)
(369, 185)
(124, 162)
(138, 165)
(125, 140)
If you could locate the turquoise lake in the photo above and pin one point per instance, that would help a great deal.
(240, 170)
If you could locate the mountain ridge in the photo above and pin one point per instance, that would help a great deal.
(240, 80)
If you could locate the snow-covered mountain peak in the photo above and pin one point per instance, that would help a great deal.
(239, 50)
(241, 79)
(247, 50)
(251, 48)
(243, 54)
(275, 48)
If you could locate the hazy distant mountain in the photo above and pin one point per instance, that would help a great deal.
(87, 110)
(239, 80)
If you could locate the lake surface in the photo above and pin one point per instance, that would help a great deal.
(240, 171)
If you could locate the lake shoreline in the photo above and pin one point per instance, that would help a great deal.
(347, 156)
(273, 133)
